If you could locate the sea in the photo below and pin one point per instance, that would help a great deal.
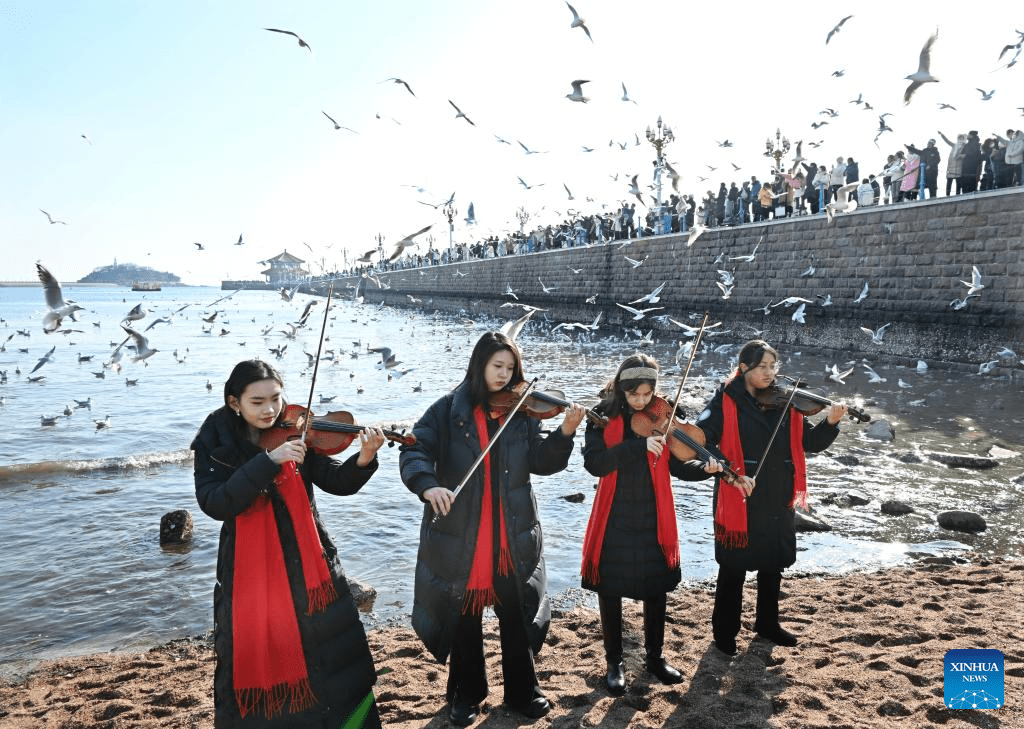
(83, 570)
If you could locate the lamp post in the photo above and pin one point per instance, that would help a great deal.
(659, 138)
(380, 247)
(450, 212)
(523, 217)
(777, 149)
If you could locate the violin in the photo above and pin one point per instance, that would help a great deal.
(806, 402)
(327, 435)
(541, 404)
(686, 442)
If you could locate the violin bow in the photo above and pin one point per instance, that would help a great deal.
(775, 432)
(316, 365)
(485, 451)
(679, 391)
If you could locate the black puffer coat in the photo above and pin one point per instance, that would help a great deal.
(770, 524)
(228, 479)
(632, 562)
(446, 446)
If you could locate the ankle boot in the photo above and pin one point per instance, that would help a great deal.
(769, 583)
(654, 640)
(725, 619)
(611, 630)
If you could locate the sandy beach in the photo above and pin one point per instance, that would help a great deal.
(870, 655)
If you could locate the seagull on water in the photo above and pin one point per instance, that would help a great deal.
(986, 367)
(922, 75)
(872, 375)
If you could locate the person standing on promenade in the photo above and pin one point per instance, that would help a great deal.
(291, 651)
(484, 547)
(631, 548)
(970, 163)
(954, 163)
(930, 159)
(756, 531)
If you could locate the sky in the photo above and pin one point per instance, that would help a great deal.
(149, 126)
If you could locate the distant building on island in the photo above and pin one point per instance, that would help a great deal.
(284, 268)
(129, 274)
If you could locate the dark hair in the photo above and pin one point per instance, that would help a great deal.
(754, 351)
(244, 374)
(613, 395)
(486, 347)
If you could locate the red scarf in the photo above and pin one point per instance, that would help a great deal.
(668, 537)
(480, 588)
(269, 663)
(731, 513)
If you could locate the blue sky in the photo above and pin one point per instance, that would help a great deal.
(202, 126)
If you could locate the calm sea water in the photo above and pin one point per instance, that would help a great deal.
(82, 567)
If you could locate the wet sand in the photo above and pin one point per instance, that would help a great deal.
(870, 655)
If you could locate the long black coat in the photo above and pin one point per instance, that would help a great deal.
(632, 562)
(228, 478)
(770, 523)
(446, 446)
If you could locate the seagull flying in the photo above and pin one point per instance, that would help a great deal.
(836, 29)
(836, 376)
(872, 375)
(577, 92)
(142, 348)
(459, 114)
(922, 75)
(635, 263)
(407, 242)
(302, 43)
(654, 297)
(625, 94)
(987, 95)
(876, 334)
(638, 314)
(55, 300)
(578, 22)
(798, 315)
(48, 357)
(975, 284)
(336, 124)
(748, 257)
(862, 295)
(400, 81)
(52, 221)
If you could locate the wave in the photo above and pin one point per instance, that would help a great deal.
(119, 463)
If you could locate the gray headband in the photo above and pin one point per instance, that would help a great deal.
(639, 373)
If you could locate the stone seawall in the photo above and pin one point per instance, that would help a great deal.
(912, 256)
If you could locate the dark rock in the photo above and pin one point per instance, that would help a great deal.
(363, 594)
(574, 498)
(962, 521)
(806, 522)
(880, 430)
(896, 508)
(176, 527)
(857, 498)
(909, 458)
(963, 460)
(847, 459)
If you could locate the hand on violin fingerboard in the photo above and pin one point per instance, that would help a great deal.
(836, 412)
(370, 441)
(574, 415)
(290, 450)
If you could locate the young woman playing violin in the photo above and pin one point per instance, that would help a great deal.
(754, 529)
(631, 547)
(485, 546)
(291, 651)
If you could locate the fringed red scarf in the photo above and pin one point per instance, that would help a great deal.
(269, 663)
(731, 513)
(668, 536)
(480, 588)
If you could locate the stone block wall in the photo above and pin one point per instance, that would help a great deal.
(912, 256)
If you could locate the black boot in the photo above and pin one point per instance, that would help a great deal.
(725, 619)
(769, 582)
(654, 640)
(611, 629)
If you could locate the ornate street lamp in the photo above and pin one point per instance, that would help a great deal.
(450, 212)
(659, 138)
(523, 217)
(777, 149)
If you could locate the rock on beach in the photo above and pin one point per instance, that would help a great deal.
(962, 521)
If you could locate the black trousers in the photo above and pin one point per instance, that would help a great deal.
(467, 670)
(725, 618)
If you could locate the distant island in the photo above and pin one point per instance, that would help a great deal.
(126, 274)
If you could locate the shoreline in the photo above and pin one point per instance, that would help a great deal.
(870, 655)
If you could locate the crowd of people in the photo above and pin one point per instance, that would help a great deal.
(972, 165)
